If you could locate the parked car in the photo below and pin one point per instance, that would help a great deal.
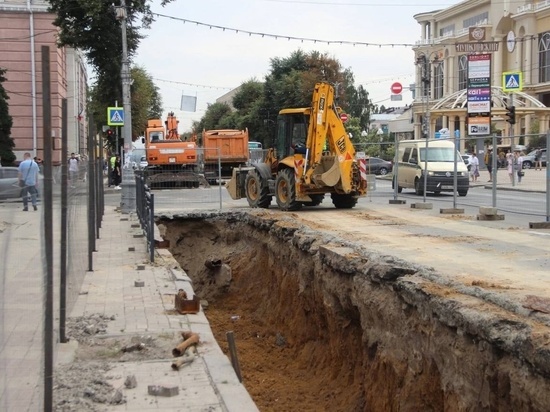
(138, 159)
(529, 159)
(378, 166)
(9, 183)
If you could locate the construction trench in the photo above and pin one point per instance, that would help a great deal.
(322, 323)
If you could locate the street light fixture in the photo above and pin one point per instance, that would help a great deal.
(426, 78)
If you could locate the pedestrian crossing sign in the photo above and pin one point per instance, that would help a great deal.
(115, 116)
(512, 81)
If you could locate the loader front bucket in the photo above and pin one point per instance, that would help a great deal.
(236, 185)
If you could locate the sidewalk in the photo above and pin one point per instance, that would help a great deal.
(209, 383)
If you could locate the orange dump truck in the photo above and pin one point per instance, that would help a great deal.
(226, 147)
(170, 160)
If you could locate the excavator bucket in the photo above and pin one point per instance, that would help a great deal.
(236, 185)
(327, 173)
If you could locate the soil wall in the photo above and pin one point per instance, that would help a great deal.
(365, 331)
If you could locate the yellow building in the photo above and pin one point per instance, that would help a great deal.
(518, 39)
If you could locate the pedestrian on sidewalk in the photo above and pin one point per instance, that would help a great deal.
(518, 165)
(474, 171)
(73, 169)
(510, 166)
(117, 175)
(538, 157)
(28, 180)
(489, 163)
(111, 170)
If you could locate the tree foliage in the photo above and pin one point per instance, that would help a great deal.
(6, 122)
(290, 84)
(146, 100)
(92, 26)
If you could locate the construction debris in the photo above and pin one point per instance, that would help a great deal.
(190, 339)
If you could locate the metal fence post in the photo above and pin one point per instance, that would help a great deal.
(151, 233)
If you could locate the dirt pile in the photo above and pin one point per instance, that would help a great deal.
(322, 324)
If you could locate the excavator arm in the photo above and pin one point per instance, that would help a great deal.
(330, 153)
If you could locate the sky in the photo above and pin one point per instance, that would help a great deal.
(206, 61)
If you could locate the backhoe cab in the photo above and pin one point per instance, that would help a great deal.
(313, 155)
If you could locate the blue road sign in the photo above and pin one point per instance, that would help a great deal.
(512, 81)
(115, 116)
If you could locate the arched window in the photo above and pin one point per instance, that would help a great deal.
(462, 72)
(544, 57)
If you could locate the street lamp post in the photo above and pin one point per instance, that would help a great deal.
(128, 184)
(426, 77)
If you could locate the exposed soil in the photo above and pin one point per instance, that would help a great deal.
(323, 325)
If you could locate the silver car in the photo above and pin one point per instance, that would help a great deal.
(9, 182)
(529, 159)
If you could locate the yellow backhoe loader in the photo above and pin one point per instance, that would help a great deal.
(313, 156)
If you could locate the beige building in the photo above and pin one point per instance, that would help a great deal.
(522, 36)
(26, 26)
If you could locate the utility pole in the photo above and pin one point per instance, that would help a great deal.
(128, 184)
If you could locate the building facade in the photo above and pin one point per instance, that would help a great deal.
(522, 34)
(25, 27)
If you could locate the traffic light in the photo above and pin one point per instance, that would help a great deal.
(110, 134)
(511, 114)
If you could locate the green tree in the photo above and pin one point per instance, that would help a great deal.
(290, 84)
(360, 106)
(6, 122)
(92, 26)
(214, 113)
(146, 100)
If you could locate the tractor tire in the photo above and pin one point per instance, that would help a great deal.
(285, 190)
(393, 182)
(419, 187)
(316, 200)
(343, 201)
(257, 190)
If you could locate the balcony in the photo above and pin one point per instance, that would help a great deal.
(538, 6)
(454, 34)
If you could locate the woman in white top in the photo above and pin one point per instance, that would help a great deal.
(474, 170)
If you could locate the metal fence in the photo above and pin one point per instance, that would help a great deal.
(145, 208)
(62, 209)
(505, 191)
(500, 171)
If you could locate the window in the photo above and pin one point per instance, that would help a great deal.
(447, 30)
(544, 57)
(438, 154)
(156, 136)
(438, 81)
(476, 20)
(462, 72)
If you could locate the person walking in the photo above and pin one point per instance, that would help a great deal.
(117, 173)
(111, 170)
(510, 166)
(518, 165)
(28, 180)
(73, 169)
(474, 171)
(489, 163)
(538, 157)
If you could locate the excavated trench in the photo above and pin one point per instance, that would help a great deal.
(323, 324)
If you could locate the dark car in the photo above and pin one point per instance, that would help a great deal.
(378, 166)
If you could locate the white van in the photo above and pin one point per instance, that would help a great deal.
(440, 167)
